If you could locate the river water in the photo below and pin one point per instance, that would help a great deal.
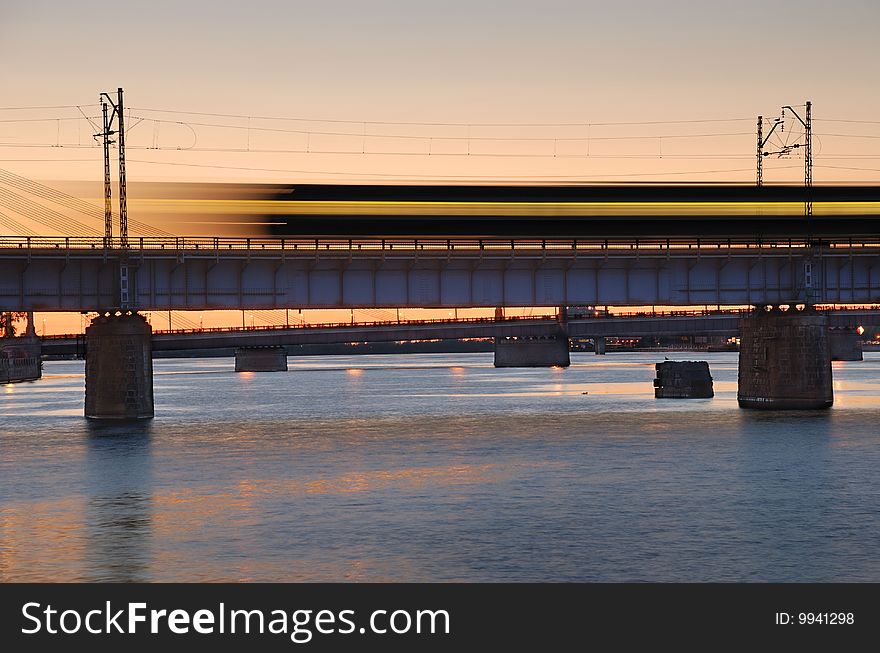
(439, 467)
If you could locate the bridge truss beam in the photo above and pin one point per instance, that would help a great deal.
(37, 277)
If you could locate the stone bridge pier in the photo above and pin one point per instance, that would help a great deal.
(785, 360)
(534, 351)
(119, 367)
(845, 344)
(260, 359)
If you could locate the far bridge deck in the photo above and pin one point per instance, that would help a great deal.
(624, 326)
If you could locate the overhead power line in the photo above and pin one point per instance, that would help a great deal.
(316, 132)
(51, 106)
(441, 177)
(582, 123)
(850, 168)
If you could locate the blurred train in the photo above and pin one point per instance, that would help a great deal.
(555, 211)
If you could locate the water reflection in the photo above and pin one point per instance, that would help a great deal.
(438, 468)
(119, 502)
(787, 467)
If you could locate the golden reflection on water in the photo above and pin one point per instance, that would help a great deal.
(240, 519)
(43, 540)
(851, 400)
(60, 541)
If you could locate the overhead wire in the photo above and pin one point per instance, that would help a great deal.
(429, 139)
(400, 176)
(582, 123)
(46, 107)
(318, 132)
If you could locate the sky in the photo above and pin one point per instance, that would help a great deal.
(475, 61)
(461, 89)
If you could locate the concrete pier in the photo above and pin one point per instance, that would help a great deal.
(785, 361)
(599, 345)
(683, 380)
(260, 359)
(845, 345)
(119, 368)
(532, 352)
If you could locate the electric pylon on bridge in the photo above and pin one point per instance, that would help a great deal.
(106, 135)
(785, 148)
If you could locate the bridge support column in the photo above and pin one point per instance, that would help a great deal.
(845, 345)
(549, 351)
(260, 359)
(599, 345)
(119, 368)
(785, 361)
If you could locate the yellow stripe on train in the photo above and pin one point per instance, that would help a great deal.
(512, 209)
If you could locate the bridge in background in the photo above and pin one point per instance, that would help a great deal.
(716, 323)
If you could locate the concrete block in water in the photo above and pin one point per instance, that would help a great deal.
(13, 370)
(260, 359)
(785, 361)
(549, 351)
(845, 345)
(119, 368)
(20, 359)
(683, 380)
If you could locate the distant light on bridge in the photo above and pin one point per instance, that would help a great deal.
(354, 371)
(860, 330)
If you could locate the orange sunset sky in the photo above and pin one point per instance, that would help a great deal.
(400, 91)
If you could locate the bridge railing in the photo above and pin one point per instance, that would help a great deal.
(410, 246)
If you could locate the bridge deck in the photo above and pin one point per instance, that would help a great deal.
(82, 274)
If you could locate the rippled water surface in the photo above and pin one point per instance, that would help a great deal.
(439, 467)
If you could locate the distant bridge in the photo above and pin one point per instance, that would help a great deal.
(719, 324)
(81, 274)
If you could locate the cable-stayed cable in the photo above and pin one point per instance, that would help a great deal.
(70, 201)
(46, 192)
(18, 229)
(177, 316)
(43, 215)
